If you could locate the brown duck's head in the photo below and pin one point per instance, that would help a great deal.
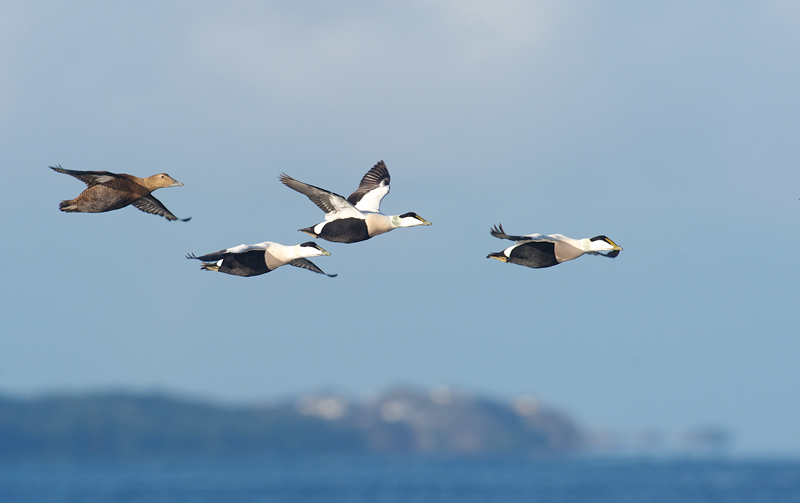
(161, 180)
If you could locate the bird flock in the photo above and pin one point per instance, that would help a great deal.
(347, 220)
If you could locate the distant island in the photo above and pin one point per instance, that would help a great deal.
(400, 421)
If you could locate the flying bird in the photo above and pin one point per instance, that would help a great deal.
(107, 191)
(358, 217)
(538, 251)
(261, 258)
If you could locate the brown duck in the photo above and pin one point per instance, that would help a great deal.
(111, 191)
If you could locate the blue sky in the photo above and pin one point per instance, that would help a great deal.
(670, 127)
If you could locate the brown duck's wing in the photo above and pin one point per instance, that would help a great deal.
(307, 264)
(372, 189)
(150, 204)
(92, 178)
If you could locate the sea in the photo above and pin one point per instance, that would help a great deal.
(367, 479)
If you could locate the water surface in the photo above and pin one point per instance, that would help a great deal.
(407, 480)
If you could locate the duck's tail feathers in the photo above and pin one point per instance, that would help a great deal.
(499, 256)
(68, 206)
(309, 231)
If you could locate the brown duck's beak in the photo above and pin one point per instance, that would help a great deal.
(177, 184)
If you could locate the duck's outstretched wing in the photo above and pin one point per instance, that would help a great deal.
(91, 178)
(332, 204)
(605, 253)
(372, 189)
(498, 232)
(307, 264)
(213, 257)
(150, 204)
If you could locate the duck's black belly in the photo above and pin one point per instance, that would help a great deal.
(250, 263)
(346, 230)
(536, 255)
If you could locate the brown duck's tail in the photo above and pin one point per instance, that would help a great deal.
(309, 231)
(68, 206)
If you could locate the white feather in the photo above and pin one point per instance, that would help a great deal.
(371, 201)
(342, 209)
(243, 248)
